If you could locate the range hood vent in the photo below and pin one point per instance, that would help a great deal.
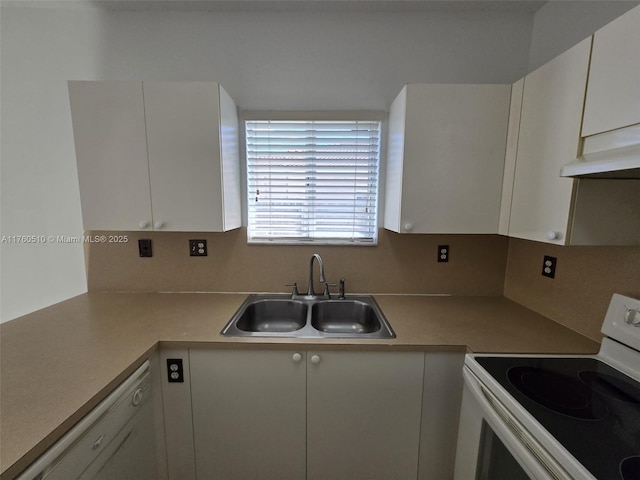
(614, 154)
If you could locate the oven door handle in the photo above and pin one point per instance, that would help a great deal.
(531, 455)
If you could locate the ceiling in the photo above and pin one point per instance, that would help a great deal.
(521, 6)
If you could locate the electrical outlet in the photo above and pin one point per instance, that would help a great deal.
(549, 266)
(175, 373)
(144, 247)
(198, 248)
(443, 253)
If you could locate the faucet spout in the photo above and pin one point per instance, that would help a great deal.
(310, 289)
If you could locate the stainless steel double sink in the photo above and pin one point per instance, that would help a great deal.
(278, 315)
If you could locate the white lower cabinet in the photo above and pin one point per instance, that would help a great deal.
(249, 414)
(363, 415)
(440, 414)
(178, 424)
(272, 414)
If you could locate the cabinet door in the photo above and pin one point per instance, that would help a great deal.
(453, 157)
(363, 415)
(440, 414)
(230, 151)
(183, 136)
(510, 156)
(178, 419)
(249, 414)
(613, 95)
(395, 163)
(111, 153)
(549, 137)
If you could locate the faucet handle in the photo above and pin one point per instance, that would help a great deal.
(341, 297)
(295, 288)
(326, 292)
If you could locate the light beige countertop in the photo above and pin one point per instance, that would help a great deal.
(59, 362)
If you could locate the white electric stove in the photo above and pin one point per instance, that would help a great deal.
(556, 417)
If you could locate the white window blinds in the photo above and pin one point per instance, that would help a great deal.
(312, 181)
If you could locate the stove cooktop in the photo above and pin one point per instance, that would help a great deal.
(592, 409)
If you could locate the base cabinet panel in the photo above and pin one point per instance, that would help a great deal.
(363, 415)
(178, 424)
(248, 414)
(440, 414)
(322, 415)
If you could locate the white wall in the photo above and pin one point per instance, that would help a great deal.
(280, 60)
(266, 60)
(561, 24)
(324, 60)
(40, 50)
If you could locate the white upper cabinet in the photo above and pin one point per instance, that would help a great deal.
(550, 121)
(613, 94)
(510, 156)
(193, 166)
(111, 152)
(445, 158)
(156, 155)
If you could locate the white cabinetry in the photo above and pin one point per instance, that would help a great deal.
(156, 155)
(613, 94)
(441, 402)
(510, 156)
(315, 415)
(363, 415)
(111, 153)
(249, 414)
(549, 136)
(445, 158)
(178, 421)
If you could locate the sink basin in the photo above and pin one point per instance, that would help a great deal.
(344, 316)
(273, 315)
(277, 315)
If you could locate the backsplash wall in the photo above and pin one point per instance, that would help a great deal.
(585, 279)
(577, 297)
(398, 264)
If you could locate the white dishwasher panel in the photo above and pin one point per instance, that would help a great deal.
(116, 440)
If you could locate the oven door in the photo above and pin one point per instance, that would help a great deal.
(493, 444)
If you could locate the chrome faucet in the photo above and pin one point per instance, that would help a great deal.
(310, 289)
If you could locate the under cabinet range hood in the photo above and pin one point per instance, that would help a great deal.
(614, 154)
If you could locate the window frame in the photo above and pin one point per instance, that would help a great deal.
(324, 115)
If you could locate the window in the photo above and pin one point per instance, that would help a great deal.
(312, 181)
